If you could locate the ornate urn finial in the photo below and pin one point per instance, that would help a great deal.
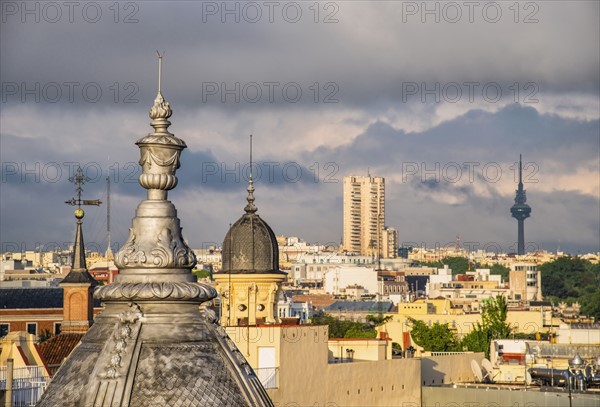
(159, 150)
(155, 242)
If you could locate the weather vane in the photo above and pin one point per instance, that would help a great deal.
(79, 179)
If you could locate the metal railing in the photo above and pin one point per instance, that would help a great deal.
(443, 353)
(268, 377)
(28, 385)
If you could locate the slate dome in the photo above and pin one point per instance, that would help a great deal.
(250, 246)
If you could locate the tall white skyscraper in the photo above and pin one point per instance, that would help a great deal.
(364, 214)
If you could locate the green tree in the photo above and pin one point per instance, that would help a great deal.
(478, 340)
(493, 316)
(571, 279)
(349, 329)
(437, 338)
(358, 331)
(591, 304)
(493, 326)
(377, 320)
(203, 273)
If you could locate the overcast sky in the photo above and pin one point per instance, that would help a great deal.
(439, 99)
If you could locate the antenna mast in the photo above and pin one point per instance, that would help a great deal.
(109, 254)
(251, 187)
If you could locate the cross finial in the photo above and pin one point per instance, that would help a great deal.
(79, 179)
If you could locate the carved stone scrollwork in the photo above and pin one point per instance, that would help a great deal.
(130, 254)
(168, 251)
(171, 252)
(155, 291)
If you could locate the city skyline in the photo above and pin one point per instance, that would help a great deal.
(377, 122)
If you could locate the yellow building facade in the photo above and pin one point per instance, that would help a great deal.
(248, 298)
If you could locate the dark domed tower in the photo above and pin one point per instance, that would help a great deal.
(249, 281)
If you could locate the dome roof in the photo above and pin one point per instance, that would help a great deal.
(250, 246)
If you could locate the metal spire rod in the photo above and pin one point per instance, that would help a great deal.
(160, 57)
(250, 207)
(108, 211)
(251, 158)
(520, 171)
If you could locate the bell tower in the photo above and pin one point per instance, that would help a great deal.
(249, 282)
(78, 285)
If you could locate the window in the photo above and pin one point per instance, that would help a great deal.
(4, 329)
(32, 328)
(56, 328)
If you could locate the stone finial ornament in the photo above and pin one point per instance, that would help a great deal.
(151, 345)
(155, 237)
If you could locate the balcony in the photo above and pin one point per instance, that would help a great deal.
(28, 384)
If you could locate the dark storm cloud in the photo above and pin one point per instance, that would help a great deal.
(370, 64)
(477, 136)
(206, 172)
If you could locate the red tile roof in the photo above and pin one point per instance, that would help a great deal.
(318, 300)
(57, 348)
